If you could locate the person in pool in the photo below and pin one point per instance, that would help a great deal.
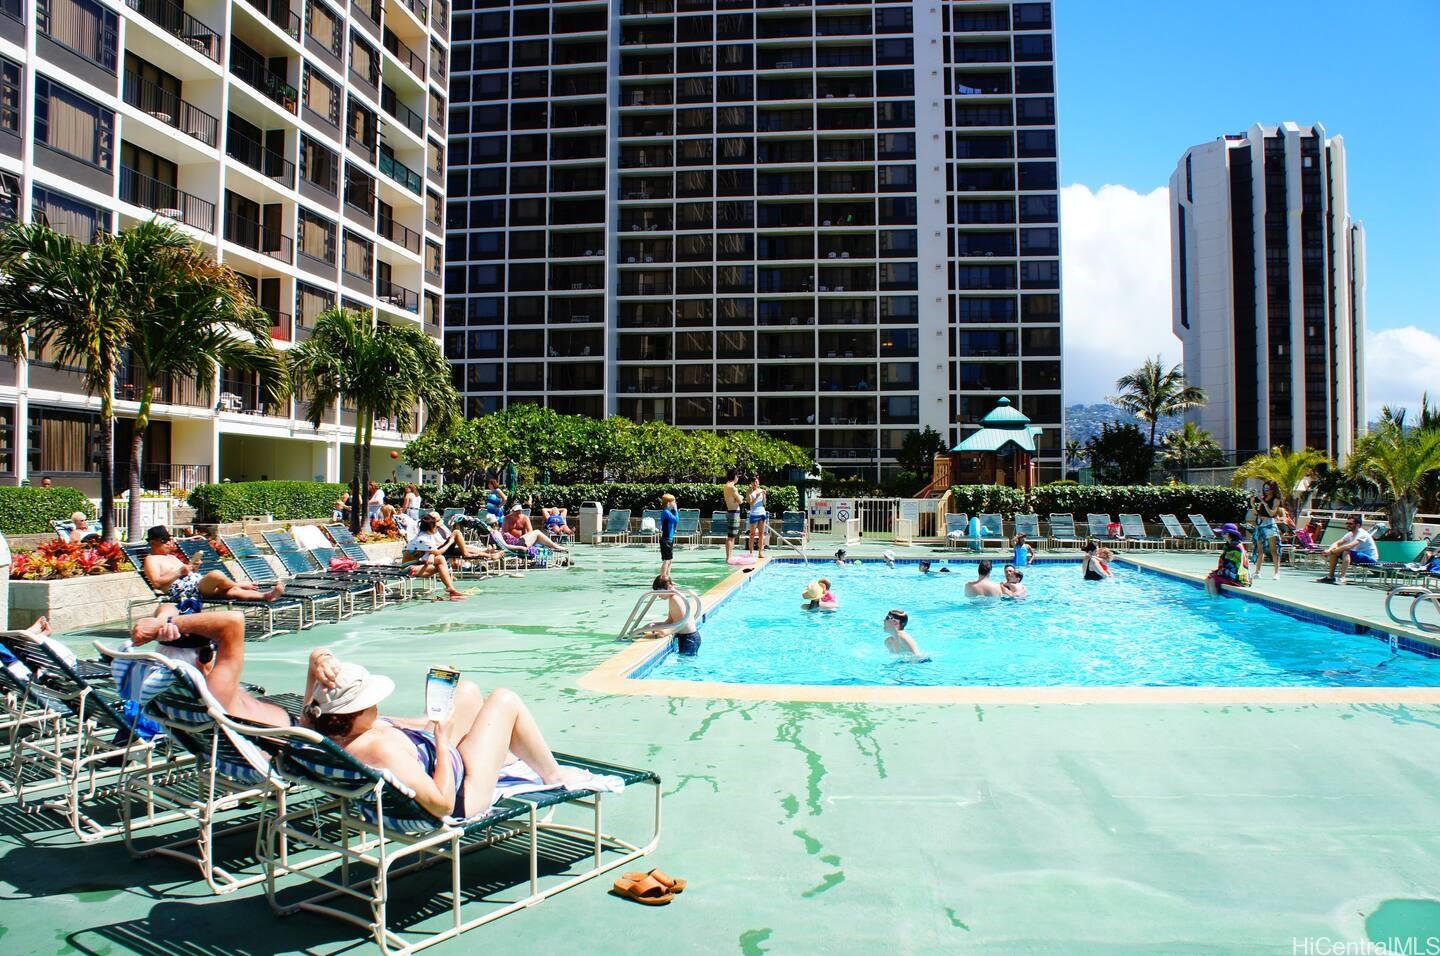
(1234, 565)
(820, 597)
(889, 558)
(1014, 586)
(924, 567)
(688, 643)
(898, 640)
(982, 586)
(1093, 568)
(840, 554)
(1024, 552)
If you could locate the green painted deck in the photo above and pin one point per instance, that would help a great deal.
(855, 828)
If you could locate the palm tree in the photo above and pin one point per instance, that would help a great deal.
(381, 369)
(191, 317)
(1288, 469)
(1191, 446)
(1074, 453)
(66, 300)
(1151, 392)
(1400, 461)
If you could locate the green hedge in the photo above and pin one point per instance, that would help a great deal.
(30, 510)
(284, 500)
(1216, 502)
(636, 497)
(986, 499)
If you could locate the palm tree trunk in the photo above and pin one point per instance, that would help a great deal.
(1154, 423)
(357, 500)
(365, 457)
(137, 448)
(107, 464)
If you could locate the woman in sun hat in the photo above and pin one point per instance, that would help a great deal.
(452, 765)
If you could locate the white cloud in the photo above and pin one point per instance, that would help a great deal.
(1115, 252)
(1400, 365)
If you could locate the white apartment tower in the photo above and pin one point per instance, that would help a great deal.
(300, 141)
(1269, 289)
(835, 221)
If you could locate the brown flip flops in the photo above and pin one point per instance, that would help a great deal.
(670, 883)
(646, 890)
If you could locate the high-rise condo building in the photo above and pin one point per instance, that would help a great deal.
(835, 222)
(302, 143)
(1269, 289)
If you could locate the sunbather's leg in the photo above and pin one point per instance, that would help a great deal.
(532, 538)
(442, 570)
(217, 584)
(503, 725)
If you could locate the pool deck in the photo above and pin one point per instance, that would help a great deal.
(857, 828)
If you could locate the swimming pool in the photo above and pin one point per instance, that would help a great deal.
(1142, 629)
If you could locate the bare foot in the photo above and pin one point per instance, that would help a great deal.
(456, 596)
(41, 628)
(276, 591)
(573, 778)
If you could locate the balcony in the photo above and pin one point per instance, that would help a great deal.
(397, 296)
(254, 71)
(165, 199)
(165, 106)
(408, 58)
(419, 8)
(400, 173)
(279, 324)
(279, 13)
(407, 117)
(169, 391)
(397, 233)
(173, 19)
(253, 153)
(257, 238)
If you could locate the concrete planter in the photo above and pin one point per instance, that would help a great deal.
(72, 603)
(384, 550)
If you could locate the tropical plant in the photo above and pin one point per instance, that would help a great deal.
(1119, 455)
(918, 450)
(1400, 461)
(1152, 391)
(1293, 472)
(1191, 447)
(379, 369)
(1074, 453)
(190, 317)
(66, 301)
(62, 559)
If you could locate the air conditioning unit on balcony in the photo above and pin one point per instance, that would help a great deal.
(831, 255)
(826, 222)
(630, 259)
(649, 258)
(844, 255)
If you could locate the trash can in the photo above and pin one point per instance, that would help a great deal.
(592, 519)
(4, 581)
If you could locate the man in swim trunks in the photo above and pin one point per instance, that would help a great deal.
(181, 581)
(733, 500)
(1357, 547)
(982, 586)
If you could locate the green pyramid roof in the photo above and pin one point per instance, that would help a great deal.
(1005, 425)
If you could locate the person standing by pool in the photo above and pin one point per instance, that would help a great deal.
(669, 520)
(1357, 547)
(1093, 568)
(898, 640)
(1023, 552)
(982, 586)
(733, 499)
(1014, 586)
(494, 499)
(758, 517)
(1268, 508)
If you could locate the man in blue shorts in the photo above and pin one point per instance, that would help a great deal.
(1357, 547)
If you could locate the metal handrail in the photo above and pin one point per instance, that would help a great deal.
(257, 74)
(259, 157)
(408, 58)
(398, 233)
(279, 13)
(171, 17)
(167, 107)
(256, 237)
(390, 103)
(166, 199)
(635, 626)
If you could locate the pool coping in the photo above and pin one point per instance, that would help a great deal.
(613, 675)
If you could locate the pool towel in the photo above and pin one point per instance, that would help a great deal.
(517, 777)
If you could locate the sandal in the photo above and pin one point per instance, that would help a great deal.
(646, 890)
(659, 876)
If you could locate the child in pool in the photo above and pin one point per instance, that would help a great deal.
(924, 567)
(820, 597)
(1014, 586)
(840, 556)
(889, 558)
(898, 640)
(1106, 556)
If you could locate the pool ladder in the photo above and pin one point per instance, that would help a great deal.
(636, 624)
(1419, 596)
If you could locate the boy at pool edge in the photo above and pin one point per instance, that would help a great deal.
(898, 641)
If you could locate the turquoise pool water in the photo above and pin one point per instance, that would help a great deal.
(1140, 629)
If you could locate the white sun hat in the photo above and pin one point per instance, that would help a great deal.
(355, 689)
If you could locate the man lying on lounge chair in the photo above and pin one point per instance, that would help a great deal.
(219, 640)
(167, 570)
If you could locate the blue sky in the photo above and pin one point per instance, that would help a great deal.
(1142, 80)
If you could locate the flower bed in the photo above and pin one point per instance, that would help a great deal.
(62, 559)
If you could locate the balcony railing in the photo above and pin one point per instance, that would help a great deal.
(399, 234)
(419, 8)
(254, 71)
(163, 105)
(401, 173)
(252, 235)
(408, 58)
(279, 324)
(397, 296)
(279, 13)
(391, 104)
(173, 19)
(167, 200)
(168, 391)
(265, 161)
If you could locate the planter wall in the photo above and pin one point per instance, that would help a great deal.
(74, 603)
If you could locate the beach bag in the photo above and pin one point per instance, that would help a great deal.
(342, 563)
(647, 524)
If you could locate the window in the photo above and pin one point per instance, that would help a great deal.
(310, 301)
(321, 96)
(1036, 143)
(316, 236)
(62, 442)
(74, 218)
(70, 123)
(323, 24)
(894, 51)
(360, 126)
(9, 95)
(364, 60)
(359, 256)
(359, 189)
(81, 26)
(319, 166)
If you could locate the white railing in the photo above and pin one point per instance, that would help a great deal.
(153, 511)
(853, 531)
(904, 531)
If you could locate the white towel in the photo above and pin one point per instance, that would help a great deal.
(517, 777)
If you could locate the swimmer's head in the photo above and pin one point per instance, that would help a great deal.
(896, 619)
(889, 557)
(1013, 575)
(983, 569)
(840, 555)
(924, 567)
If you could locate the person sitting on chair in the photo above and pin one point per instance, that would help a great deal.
(168, 571)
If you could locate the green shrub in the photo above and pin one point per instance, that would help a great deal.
(283, 500)
(30, 510)
(636, 497)
(1215, 502)
(986, 499)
